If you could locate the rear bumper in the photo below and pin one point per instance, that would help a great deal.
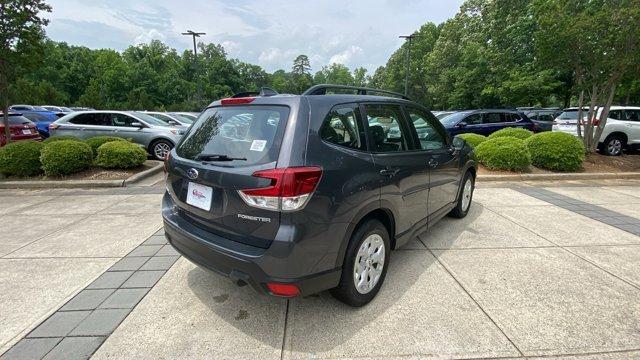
(240, 263)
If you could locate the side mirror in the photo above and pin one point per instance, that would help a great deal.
(458, 143)
(462, 124)
(136, 124)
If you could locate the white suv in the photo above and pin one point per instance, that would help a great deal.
(622, 128)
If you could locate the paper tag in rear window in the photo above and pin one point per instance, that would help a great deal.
(258, 145)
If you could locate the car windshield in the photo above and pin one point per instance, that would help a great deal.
(183, 119)
(572, 115)
(251, 133)
(148, 119)
(453, 119)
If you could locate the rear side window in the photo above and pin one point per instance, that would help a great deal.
(250, 132)
(492, 118)
(91, 119)
(342, 127)
(384, 128)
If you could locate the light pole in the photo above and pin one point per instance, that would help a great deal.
(195, 56)
(408, 38)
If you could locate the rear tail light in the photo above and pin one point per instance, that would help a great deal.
(290, 188)
(285, 290)
(237, 101)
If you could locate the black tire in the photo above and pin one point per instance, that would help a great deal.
(346, 290)
(613, 145)
(154, 151)
(461, 210)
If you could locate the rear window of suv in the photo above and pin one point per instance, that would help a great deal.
(250, 132)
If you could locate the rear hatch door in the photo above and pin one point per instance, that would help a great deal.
(216, 158)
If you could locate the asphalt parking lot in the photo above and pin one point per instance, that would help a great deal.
(535, 270)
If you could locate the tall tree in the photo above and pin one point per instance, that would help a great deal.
(300, 74)
(21, 35)
(599, 41)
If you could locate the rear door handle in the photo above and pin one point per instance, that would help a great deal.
(389, 172)
(432, 163)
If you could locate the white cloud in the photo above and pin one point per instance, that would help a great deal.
(346, 56)
(146, 37)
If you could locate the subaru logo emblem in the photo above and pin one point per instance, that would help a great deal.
(192, 174)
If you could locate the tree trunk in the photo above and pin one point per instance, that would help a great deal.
(4, 90)
(603, 118)
(580, 106)
(588, 127)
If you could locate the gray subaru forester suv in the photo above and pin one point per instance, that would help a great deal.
(294, 195)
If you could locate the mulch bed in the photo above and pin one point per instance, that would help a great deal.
(594, 163)
(90, 174)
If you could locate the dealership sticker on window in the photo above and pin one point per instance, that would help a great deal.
(258, 145)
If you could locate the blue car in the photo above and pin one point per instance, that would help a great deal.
(486, 122)
(38, 115)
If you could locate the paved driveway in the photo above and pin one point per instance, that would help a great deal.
(534, 270)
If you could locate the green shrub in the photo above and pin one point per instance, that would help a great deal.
(65, 157)
(556, 151)
(473, 139)
(60, 138)
(21, 158)
(97, 141)
(120, 155)
(521, 134)
(504, 153)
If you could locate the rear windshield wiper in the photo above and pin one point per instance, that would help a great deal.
(218, 157)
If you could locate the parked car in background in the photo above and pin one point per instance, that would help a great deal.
(191, 115)
(39, 116)
(442, 114)
(156, 136)
(543, 117)
(486, 122)
(169, 119)
(314, 195)
(75, 108)
(622, 129)
(61, 109)
(20, 128)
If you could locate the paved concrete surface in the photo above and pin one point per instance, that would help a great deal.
(536, 269)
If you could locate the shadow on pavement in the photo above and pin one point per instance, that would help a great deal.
(319, 323)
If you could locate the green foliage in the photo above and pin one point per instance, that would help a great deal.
(120, 155)
(65, 157)
(21, 158)
(521, 134)
(504, 153)
(60, 138)
(96, 141)
(556, 151)
(473, 139)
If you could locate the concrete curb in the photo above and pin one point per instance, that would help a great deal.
(559, 176)
(76, 184)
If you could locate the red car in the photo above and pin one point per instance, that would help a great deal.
(20, 127)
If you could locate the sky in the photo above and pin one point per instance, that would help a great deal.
(269, 33)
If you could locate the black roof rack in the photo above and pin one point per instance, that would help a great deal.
(264, 91)
(322, 90)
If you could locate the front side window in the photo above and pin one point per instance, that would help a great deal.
(385, 128)
(474, 119)
(632, 115)
(428, 135)
(122, 120)
(252, 134)
(492, 118)
(342, 127)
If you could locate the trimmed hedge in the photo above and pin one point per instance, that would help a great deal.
(504, 153)
(120, 155)
(60, 138)
(521, 134)
(473, 139)
(21, 158)
(556, 151)
(96, 141)
(65, 157)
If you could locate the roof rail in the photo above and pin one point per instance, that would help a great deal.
(264, 91)
(322, 90)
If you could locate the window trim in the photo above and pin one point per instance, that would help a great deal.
(358, 117)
